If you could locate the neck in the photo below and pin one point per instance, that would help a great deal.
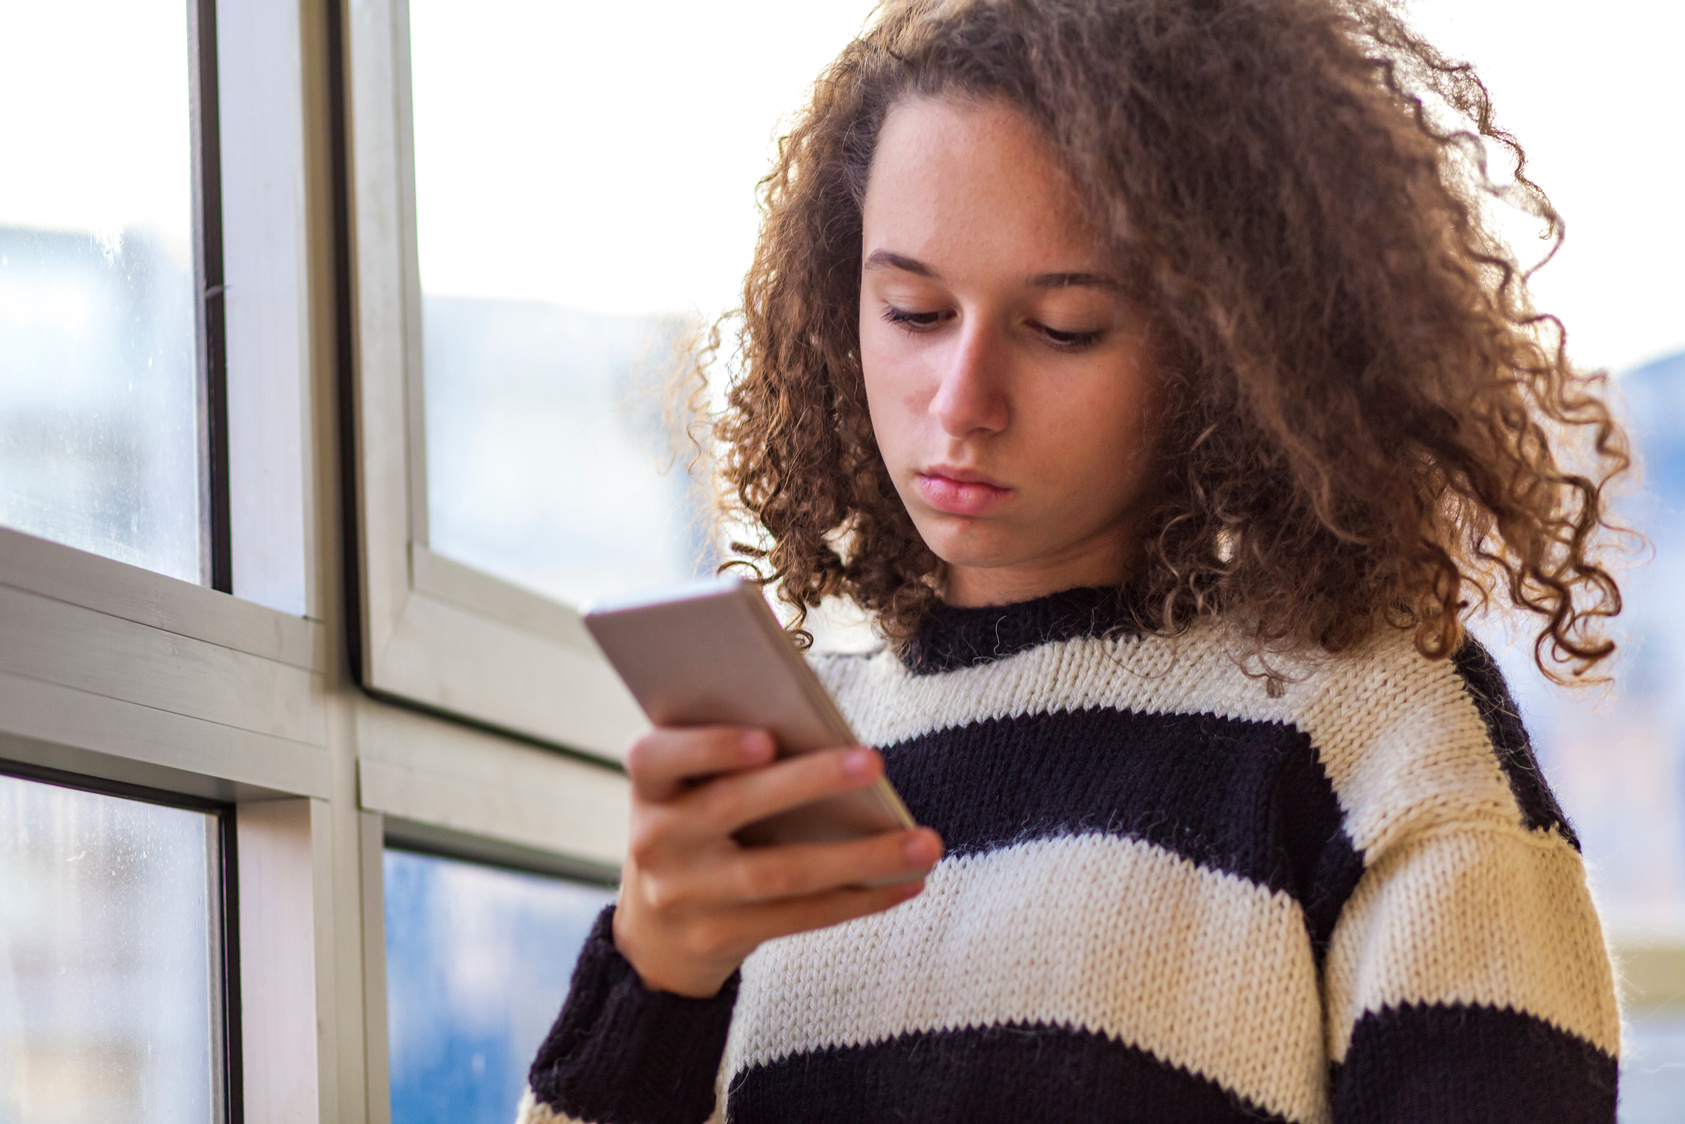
(1096, 564)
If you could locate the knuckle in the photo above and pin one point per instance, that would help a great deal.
(770, 880)
(663, 895)
(643, 847)
(823, 911)
(646, 839)
(711, 940)
(642, 754)
(721, 802)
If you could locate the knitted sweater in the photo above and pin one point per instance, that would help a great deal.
(1169, 894)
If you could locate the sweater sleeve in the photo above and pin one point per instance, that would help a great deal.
(621, 1053)
(1467, 980)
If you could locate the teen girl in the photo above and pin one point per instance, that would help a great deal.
(1148, 370)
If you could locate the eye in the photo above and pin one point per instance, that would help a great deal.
(914, 321)
(1068, 341)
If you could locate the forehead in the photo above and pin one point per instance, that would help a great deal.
(973, 184)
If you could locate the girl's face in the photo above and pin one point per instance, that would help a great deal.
(1011, 387)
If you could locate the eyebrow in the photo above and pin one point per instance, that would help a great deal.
(884, 259)
(1069, 280)
(887, 259)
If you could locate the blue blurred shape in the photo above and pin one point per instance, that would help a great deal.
(1655, 412)
(477, 965)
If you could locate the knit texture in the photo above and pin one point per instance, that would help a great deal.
(1167, 896)
(623, 1054)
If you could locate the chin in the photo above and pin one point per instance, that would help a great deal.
(975, 547)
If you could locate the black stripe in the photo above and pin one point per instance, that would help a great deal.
(1249, 798)
(1485, 684)
(979, 1075)
(623, 1054)
(1458, 1063)
(952, 637)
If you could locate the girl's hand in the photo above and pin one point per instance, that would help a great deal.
(693, 903)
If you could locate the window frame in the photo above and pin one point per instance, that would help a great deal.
(216, 555)
(433, 632)
(117, 678)
(121, 674)
(120, 680)
(226, 922)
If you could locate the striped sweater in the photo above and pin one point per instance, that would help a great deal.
(1169, 894)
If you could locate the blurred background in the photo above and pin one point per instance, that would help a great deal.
(584, 180)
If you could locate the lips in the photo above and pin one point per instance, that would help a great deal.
(960, 491)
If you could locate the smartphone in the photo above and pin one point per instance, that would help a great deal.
(710, 653)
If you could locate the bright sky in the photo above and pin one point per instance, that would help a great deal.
(94, 127)
(567, 154)
(1594, 93)
(605, 157)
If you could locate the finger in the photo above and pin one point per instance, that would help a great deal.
(731, 802)
(791, 870)
(771, 920)
(664, 759)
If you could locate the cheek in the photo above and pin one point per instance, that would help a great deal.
(893, 395)
(1106, 431)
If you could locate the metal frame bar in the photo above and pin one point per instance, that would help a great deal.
(233, 1085)
(217, 565)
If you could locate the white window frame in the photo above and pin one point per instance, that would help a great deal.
(115, 673)
(118, 672)
(435, 632)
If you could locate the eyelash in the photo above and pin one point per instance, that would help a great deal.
(1071, 341)
(924, 321)
(911, 321)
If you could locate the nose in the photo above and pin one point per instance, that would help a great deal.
(971, 398)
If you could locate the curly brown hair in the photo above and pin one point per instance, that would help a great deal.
(1369, 422)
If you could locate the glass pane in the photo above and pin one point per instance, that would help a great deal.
(477, 965)
(1653, 1069)
(110, 986)
(585, 181)
(99, 401)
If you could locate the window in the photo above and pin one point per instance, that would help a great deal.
(143, 710)
(1616, 758)
(477, 965)
(545, 267)
(105, 400)
(112, 992)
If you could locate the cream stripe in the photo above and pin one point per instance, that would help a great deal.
(1202, 969)
(1493, 916)
(534, 1111)
(1398, 736)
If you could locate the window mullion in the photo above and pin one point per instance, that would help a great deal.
(217, 557)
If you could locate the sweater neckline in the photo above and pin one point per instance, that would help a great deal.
(952, 637)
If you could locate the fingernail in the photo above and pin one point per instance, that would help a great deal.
(910, 889)
(857, 762)
(756, 745)
(921, 850)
